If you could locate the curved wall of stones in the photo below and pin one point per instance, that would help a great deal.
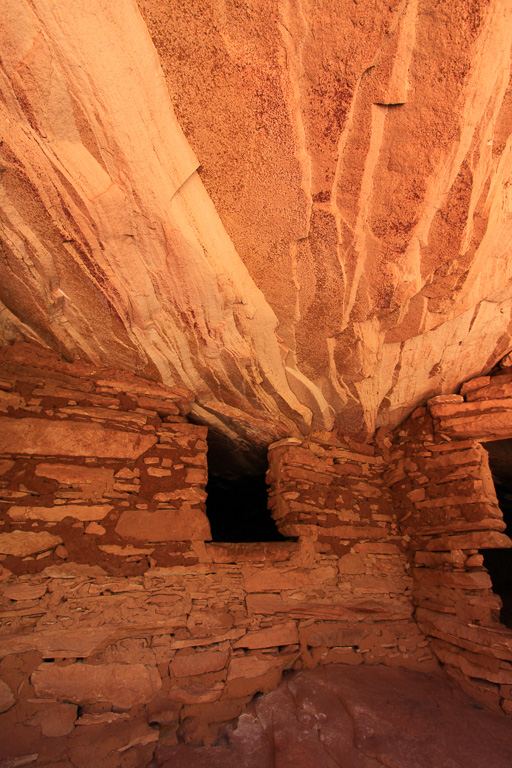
(448, 510)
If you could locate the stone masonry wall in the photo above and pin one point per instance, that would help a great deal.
(330, 492)
(447, 510)
(482, 410)
(96, 466)
(120, 623)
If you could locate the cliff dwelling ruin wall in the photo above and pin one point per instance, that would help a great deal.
(117, 606)
(448, 512)
(114, 600)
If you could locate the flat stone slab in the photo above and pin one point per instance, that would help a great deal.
(58, 513)
(71, 438)
(122, 685)
(24, 543)
(164, 525)
(363, 717)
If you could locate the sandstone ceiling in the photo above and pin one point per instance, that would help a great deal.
(298, 209)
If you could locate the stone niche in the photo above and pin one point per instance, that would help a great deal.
(122, 622)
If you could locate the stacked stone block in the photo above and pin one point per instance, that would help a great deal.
(330, 489)
(447, 509)
(186, 648)
(118, 616)
(330, 492)
(482, 411)
(96, 466)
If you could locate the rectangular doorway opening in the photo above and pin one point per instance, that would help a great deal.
(237, 509)
(498, 562)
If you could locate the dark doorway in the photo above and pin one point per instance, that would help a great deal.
(237, 509)
(236, 503)
(499, 561)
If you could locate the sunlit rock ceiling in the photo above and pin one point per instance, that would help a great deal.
(298, 209)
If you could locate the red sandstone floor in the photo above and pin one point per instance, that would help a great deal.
(357, 717)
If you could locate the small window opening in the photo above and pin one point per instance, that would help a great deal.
(499, 561)
(237, 509)
(237, 501)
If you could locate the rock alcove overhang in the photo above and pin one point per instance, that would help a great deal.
(334, 260)
(254, 220)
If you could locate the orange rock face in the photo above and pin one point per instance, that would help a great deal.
(305, 223)
(355, 153)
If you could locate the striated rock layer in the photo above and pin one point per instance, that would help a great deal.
(341, 253)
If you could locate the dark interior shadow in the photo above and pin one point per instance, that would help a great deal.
(499, 561)
(237, 509)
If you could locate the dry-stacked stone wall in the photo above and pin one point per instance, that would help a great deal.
(121, 624)
(96, 466)
(330, 493)
(447, 510)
